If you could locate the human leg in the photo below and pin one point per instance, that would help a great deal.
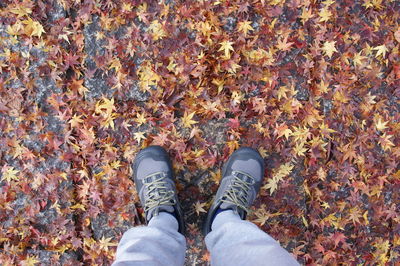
(230, 239)
(159, 243)
(162, 241)
(234, 241)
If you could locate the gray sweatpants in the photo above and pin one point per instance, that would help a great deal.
(232, 241)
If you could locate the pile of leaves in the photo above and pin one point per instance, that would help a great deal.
(313, 85)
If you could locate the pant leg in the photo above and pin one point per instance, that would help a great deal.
(233, 241)
(159, 243)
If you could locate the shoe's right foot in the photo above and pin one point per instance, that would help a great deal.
(242, 176)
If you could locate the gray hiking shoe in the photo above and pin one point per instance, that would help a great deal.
(242, 176)
(154, 179)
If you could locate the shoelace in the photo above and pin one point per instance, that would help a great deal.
(233, 194)
(158, 193)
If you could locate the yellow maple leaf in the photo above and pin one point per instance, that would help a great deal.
(199, 207)
(324, 14)
(116, 64)
(385, 142)
(299, 149)
(357, 59)
(21, 10)
(204, 27)
(262, 151)
(377, 4)
(381, 50)
(226, 46)
(75, 121)
(14, 29)
(9, 174)
(329, 48)
(237, 97)
(33, 28)
(263, 215)
(30, 261)
(233, 68)
(245, 27)
(172, 65)
(127, 7)
(147, 76)
(140, 119)
(105, 104)
(380, 125)
(323, 87)
(157, 30)
(138, 136)
(104, 243)
(187, 120)
(306, 15)
(219, 83)
(78, 206)
(283, 171)
(282, 92)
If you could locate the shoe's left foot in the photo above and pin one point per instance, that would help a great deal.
(154, 180)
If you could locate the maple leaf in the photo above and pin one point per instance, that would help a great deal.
(226, 46)
(33, 28)
(30, 261)
(380, 125)
(381, 50)
(70, 60)
(306, 14)
(329, 48)
(104, 243)
(324, 14)
(195, 132)
(282, 92)
(116, 64)
(323, 87)
(259, 105)
(187, 120)
(126, 7)
(358, 58)
(385, 142)
(245, 27)
(300, 149)
(140, 119)
(282, 130)
(234, 123)
(233, 67)
(199, 207)
(105, 104)
(157, 30)
(237, 97)
(138, 136)
(78, 85)
(219, 83)
(263, 215)
(147, 76)
(283, 171)
(21, 11)
(75, 121)
(283, 44)
(9, 174)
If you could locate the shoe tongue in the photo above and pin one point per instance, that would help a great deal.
(157, 210)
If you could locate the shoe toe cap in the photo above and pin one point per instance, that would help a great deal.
(249, 161)
(151, 160)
